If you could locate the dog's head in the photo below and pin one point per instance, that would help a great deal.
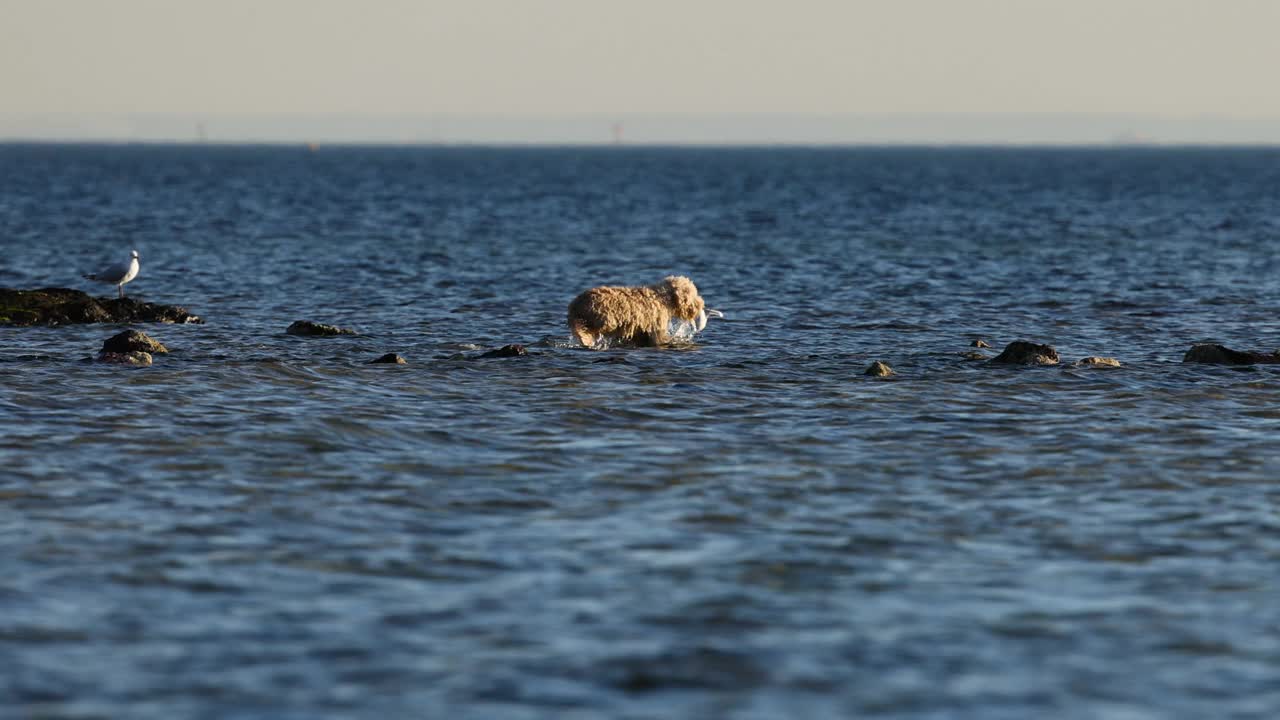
(686, 303)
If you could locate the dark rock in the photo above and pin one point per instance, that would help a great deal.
(129, 310)
(879, 369)
(390, 358)
(1220, 355)
(137, 359)
(1095, 361)
(133, 341)
(311, 329)
(1021, 352)
(973, 355)
(505, 351)
(979, 343)
(61, 306)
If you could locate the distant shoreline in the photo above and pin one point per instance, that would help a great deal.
(778, 129)
(727, 146)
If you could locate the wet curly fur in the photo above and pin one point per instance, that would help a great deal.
(634, 315)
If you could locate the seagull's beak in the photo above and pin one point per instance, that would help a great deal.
(714, 313)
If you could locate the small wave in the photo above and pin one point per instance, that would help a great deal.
(682, 331)
(560, 343)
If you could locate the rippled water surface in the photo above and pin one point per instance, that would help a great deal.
(262, 525)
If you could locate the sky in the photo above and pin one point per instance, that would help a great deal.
(532, 69)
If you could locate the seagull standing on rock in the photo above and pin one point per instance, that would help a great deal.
(118, 274)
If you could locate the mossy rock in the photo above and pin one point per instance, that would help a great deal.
(306, 328)
(62, 306)
(133, 341)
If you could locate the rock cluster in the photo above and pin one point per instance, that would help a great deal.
(307, 328)
(131, 347)
(504, 352)
(879, 369)
(61, 306)
(133, 341)
(1221, 355)
(1095, 361)
(1021, 352)
(136, 359)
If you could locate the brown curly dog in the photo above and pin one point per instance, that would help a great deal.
(637, 315)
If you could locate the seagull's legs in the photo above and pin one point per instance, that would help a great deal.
(120, 287)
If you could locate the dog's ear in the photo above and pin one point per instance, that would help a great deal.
(688, 304)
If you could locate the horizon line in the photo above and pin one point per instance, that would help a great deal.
(748, 128)
(317, 145)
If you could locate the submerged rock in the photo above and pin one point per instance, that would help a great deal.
(1021, 352)
(1095, 361)
(62, 306)
(133, 341)
(136, 358)
(307, 328)
(879, 369)
(1222, 355)
(505, 351)
(973, 355)
(391, 358)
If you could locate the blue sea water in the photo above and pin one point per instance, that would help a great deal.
(265, 526)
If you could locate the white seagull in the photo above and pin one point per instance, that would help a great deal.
(118, 274)
(701, 322)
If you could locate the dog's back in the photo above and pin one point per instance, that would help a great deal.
(631, 314)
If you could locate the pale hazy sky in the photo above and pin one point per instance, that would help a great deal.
(1183, 58)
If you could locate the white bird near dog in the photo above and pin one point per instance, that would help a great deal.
(118, 274)
(702, 317)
